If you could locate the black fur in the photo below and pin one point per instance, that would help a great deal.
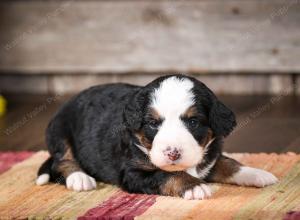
(100, 124)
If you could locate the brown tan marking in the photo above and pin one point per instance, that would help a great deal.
(66, 167)
(190, 112)
(68, 154)
(207, 138)
(224, 169)
(143, 140)
(141, 136)
(177, 184)
(154, 114)
(68, 164)
(143, 165)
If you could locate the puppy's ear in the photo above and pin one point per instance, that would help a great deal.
(133, 112)
(221, 119)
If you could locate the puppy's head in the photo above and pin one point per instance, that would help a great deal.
(174, 118)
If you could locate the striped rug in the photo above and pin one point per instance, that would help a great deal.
(21, 199)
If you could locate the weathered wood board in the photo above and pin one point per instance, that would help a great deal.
(73, 83)
(150, 36)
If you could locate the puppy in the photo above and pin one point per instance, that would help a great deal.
(164, 138)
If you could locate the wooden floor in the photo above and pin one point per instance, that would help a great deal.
(266, 123)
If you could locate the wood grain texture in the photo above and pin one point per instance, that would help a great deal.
(150, 36)
(242, 84)
(73, 83)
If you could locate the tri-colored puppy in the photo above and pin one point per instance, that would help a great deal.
(164, 138)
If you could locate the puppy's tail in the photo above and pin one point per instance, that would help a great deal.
(44, 172)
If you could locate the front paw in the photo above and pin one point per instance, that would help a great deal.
(248, 176)
(79, 181)
(185, 186)
(201, 191)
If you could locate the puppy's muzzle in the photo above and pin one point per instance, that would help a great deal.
(172, 153)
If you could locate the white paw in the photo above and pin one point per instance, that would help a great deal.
(42, 179)
(198, 192)
(248, 176)
(79, 181)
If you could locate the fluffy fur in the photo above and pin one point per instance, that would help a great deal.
(164, 138)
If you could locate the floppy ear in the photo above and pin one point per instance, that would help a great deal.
(133, 112)
(221, 119)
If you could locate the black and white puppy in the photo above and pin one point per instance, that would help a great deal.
(164, 138)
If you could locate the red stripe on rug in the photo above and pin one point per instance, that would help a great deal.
(293, 215)
(8, 159)
(121, 205)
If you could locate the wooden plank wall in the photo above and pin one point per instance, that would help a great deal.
(118, 39)
(72, 83)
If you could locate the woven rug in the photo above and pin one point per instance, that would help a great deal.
(20, 198)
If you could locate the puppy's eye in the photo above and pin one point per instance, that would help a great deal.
(154, 123)
(193, 122)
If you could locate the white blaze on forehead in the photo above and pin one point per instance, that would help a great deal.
(170, 100)
(173, 97)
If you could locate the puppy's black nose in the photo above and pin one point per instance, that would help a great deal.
(173, 153)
